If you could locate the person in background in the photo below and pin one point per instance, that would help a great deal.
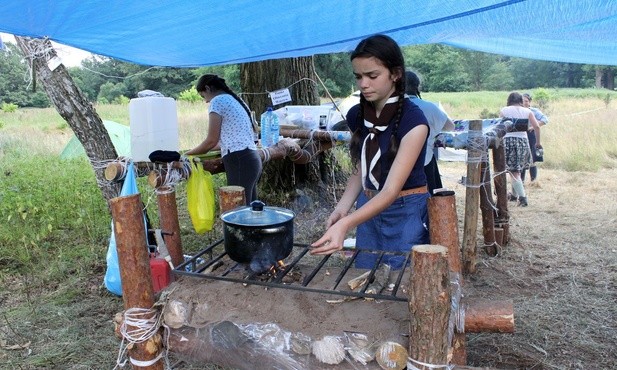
(518, 154)
(438, 121)
(387, 150)
(230, 126)
(542, 120)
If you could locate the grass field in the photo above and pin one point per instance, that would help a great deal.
(54, 225)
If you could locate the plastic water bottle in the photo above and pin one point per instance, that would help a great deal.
(274, 127)
(266, 135)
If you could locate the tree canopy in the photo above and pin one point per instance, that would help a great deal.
(442, 68)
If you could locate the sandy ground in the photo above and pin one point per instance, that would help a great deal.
(560, 269)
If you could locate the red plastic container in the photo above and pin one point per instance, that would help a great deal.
(161, 273)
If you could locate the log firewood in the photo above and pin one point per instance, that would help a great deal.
(429, 304)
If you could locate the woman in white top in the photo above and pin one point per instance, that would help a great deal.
(230, 126)
(518, 153)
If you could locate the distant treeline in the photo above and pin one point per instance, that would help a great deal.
(442, 69)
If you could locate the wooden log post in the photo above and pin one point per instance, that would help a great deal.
(489, 316)
(231, 197)
(429, 306)
(443, 230)
(475, 151)
(487, 205)
(443, 226)
(317, 135)
(168, 219)
(137, 290)
(502, 216)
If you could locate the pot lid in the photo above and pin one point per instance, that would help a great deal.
(257, 214)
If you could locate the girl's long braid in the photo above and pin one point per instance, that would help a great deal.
(394, 142)
(355, 144)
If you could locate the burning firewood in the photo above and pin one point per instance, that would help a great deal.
(354, 284)
(359, 281)
(381, 279)
(329, 350)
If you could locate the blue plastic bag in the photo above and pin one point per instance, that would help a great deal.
(113, 283)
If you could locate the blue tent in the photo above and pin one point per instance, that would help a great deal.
(213, 32)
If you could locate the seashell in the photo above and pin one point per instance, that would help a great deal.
(329, 350)
(391, 356)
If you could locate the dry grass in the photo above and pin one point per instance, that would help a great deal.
(560, 270)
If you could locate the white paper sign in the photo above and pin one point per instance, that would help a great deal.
(280, 96)
(54, 63)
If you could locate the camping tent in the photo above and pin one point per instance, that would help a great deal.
(214, 32)
(120, 136)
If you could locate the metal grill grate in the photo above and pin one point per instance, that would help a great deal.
(200, 265)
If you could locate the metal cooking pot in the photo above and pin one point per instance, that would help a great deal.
(258, 235)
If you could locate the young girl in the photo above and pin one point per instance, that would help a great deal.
(387, 150)
(518, 154)
(230, 125)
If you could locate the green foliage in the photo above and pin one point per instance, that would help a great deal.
(439, 67)
(499, 77)
(9, 107)
(607, 100)
(541, 97)
(230, 72)
(336, 73)
(111, 91)
(14, 88)
(122, 100)
(485, 114)
(191, 95)
(42, 200)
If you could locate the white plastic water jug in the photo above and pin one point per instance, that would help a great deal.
(154, 126)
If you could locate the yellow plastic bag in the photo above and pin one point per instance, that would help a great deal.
(200, 199)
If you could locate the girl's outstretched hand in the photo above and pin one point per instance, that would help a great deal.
(332, 240)
(334, 217)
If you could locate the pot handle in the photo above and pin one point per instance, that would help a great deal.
(274, 230)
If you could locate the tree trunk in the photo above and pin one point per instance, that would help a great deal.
(296, 74)
(73, 106)
(610, 79)
(599, 74)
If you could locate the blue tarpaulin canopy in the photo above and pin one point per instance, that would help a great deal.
(213, 32)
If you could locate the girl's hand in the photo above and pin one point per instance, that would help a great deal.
(334, 217)
(332, 240)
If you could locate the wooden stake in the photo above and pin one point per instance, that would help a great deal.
(489, 316)
(502, 217)
(486, 207)
(137, 291)
(429, 305)
(472, 194)
(443, 226)
(168, 216)
(443, 230)
(231, 197)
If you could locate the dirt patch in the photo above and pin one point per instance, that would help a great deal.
(560, 269)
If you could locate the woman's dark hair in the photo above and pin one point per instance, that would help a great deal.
(216, 83)
(413, 84)
(515, 98)
(389, 54)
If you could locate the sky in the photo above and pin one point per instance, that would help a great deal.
(71, 57)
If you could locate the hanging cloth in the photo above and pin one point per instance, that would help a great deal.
(371, 153)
